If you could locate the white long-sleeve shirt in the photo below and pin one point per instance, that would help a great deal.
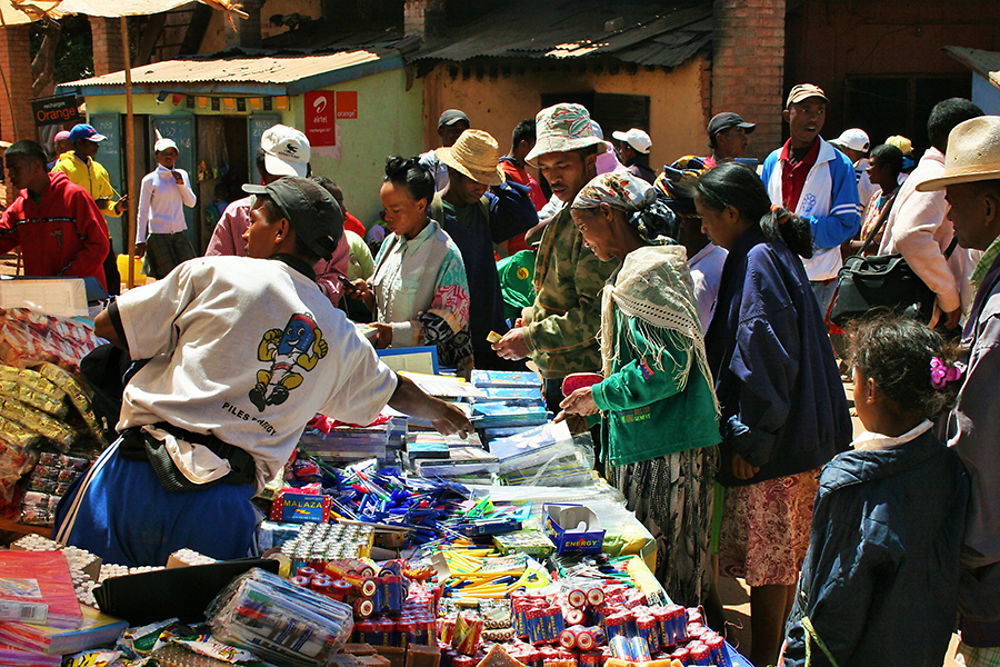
(161, 202)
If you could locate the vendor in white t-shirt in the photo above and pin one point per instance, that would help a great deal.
(242, 353)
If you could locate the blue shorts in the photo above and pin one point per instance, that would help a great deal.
(119, 511)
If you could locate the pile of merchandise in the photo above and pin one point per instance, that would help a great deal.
(48, 432)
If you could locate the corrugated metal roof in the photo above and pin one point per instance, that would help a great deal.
(642, 33)
(984, 63)
(263, 69)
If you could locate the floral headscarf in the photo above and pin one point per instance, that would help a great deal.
(620, 189)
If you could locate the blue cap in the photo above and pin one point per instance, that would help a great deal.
(85, 131)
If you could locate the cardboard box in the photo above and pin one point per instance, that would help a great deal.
(573, 529)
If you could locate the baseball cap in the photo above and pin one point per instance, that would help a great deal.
(452, 116)
(163, 144)
(286, 151)
(803, 92)
(311, 210)
(85, 131)
(635, 138)
(855, 138)
(61, 135)
(727, 119)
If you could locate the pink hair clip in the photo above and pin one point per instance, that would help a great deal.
(943, 373)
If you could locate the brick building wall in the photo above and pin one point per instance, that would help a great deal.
(16, 120)
(109, 55)
(424, 18)
(748, 66)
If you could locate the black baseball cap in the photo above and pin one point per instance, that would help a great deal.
(312, 211)
(727, 119)
(452, 116)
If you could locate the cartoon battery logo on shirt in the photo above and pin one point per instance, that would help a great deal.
(299, 344)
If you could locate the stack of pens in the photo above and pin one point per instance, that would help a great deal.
(279, 621)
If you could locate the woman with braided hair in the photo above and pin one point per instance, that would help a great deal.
(656, 395)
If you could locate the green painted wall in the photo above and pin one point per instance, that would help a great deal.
(389, 122)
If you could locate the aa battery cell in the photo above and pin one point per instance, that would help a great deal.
(567, 638)
(576, 598)
(595, 596)
(646, 628)
(640, 649)
(364, 607)
(392, 592)
(621, 648)
(573, 616)
(700, 655)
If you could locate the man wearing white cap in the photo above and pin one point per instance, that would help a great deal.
(855, 144)
(163, 194)
(633, 150)
(970, 176)
(284, 151)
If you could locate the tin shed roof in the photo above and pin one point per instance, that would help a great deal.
(641, 33)
(289, 74)
(984, 63)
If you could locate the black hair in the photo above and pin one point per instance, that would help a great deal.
(888, 155)
(896, 352)
(945, 115)
(331, 186)
(523, 131)
(415, 176)
(26, 149)
(732, 184)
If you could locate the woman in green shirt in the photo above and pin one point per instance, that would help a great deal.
(656, 395)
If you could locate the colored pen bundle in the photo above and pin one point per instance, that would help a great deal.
(279, 621)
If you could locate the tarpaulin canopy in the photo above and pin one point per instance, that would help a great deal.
(14, 12)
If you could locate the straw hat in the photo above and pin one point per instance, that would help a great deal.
(973, 154)
(562, 128)
(476, 154)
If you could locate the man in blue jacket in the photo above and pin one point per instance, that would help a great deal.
(816, 181)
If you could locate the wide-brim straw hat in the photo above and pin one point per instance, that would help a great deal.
(475, 154)
(973, 154)
(562, 128)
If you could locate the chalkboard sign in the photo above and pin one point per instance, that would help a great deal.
(110, 152)
(180, 128)
(110, 155)
(258, 123)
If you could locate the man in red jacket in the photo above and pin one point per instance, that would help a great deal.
(56, 223)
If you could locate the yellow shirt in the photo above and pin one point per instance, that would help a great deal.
(92, 177)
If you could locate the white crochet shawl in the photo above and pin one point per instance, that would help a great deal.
(654, 286)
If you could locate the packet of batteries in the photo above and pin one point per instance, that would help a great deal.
(279, 621)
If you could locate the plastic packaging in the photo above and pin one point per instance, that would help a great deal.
(279, 621)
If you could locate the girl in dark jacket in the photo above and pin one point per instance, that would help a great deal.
(783, 409)
(880, 581)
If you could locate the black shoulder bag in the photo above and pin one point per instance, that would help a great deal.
(880, 284)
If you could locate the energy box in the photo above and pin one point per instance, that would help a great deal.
(573, 529)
